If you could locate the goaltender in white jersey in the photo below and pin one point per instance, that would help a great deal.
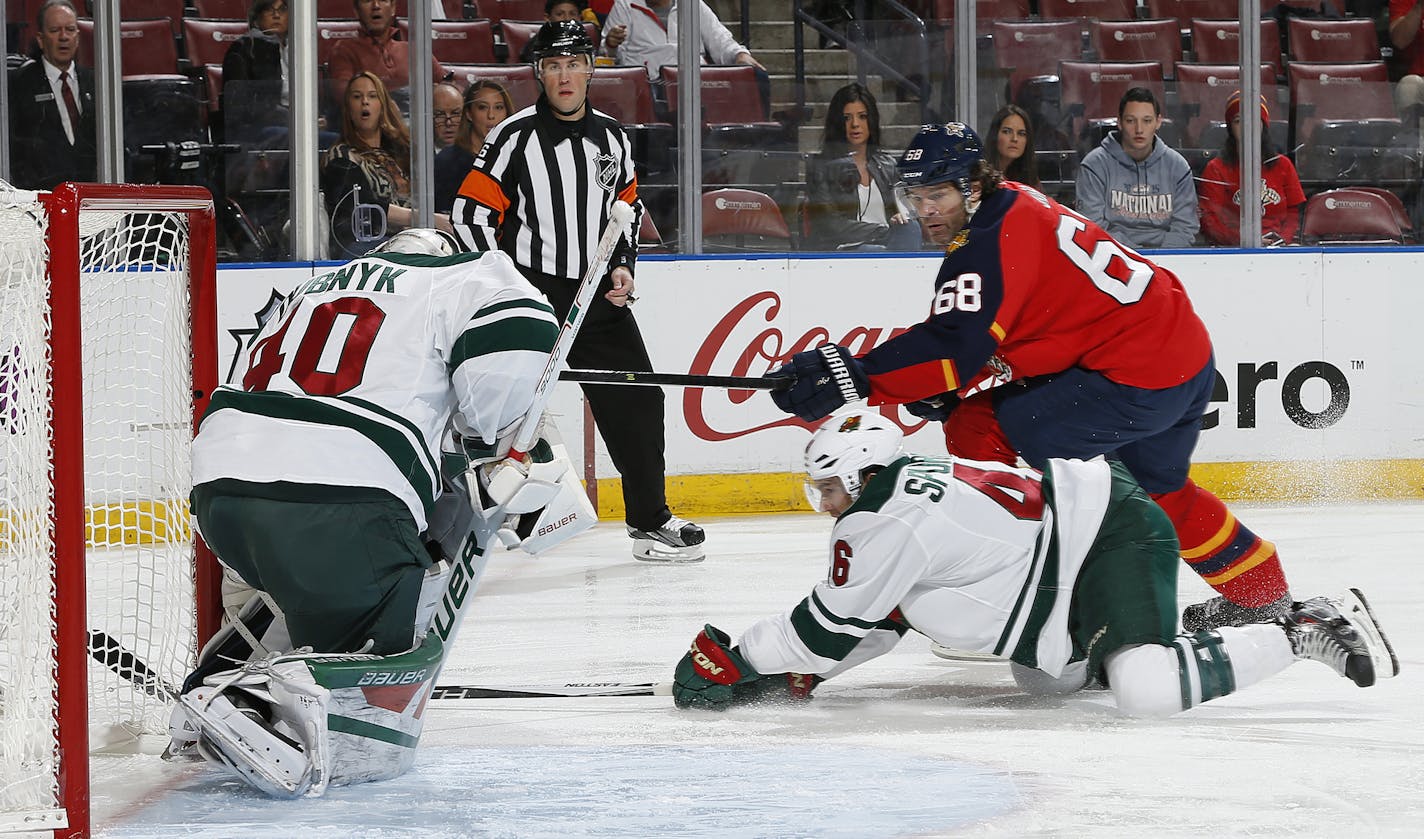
(320, 481)
(1070, 574)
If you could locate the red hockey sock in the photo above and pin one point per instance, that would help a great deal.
(1240, 565)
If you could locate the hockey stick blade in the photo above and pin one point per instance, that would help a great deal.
(113, 655)
(634, 377)
(571, 689)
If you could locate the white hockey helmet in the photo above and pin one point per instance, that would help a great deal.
(425, 241)
(845, 445)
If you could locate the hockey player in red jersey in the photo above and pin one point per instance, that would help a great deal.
(1048, 338)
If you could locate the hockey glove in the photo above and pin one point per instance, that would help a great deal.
(824, 379)
(707, 674)
(934, 409)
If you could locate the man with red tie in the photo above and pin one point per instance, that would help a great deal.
(52, 107)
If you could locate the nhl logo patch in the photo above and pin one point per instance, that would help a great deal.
(606, 171)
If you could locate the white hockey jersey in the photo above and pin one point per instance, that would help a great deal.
(358, 375)
(978, 556)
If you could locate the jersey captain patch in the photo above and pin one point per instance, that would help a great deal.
(607, 171)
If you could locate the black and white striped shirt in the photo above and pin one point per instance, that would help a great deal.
(541, 188)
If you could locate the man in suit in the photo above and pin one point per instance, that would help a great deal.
(52, 107)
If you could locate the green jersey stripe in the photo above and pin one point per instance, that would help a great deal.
(412, 460)
(511, 334)
(371, 731)
(514, 304)
(819, 640)
(875, 493)
(832, 617)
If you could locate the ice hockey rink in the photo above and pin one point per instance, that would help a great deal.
(908, 745)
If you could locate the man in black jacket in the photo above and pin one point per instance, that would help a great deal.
(52, 107)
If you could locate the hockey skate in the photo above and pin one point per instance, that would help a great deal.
(1218, 611)
(1343, 634)
(676, 540)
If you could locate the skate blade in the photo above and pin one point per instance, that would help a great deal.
(952, 654)
(651, 550)
(1357, 610)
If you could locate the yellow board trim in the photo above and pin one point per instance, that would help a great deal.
(1295, 482)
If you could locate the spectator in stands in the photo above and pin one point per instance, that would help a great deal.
(556, 10)
(445, 106)
(1406, 32)
(487, 104)
(375, 50)
(1219, 192)
(1011, 145)
(52, 127)
(851, 182)
(255, 87)
(365, 177)
(1135, 187)
(644, 33)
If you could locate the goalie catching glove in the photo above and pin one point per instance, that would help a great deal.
(714, 676)
(823, 380)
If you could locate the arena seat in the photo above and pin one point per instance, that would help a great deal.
(222, 9)
(146, 47)
(332, 9)
(170, 10)
(1219, 42)
(741, 220)
(462, 41)
(1183, 11)
(1337, 93)
(205, 42)
(1350, 217)
(518, 79)
(1097, 9)
(1030, 52)
(329, 33)
(1202, 93)
(1334, 41)
(1095, 88)
(730, 96)
(1139, 40)
(623, 93)
(213, 84)
(499, 11)
(985, 12)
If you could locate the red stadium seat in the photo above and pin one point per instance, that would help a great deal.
(742, 220)
(1139, 40)
(1396, 205)
(329, 33)
(1185, 10)
(1034, 48)
(334, 9)
(171, 10)
(212, 77)
(1337, 93)
(1219, 42)
(985, 12)
(518, 32)
(649, 239)
(729, 96)
(1097, 9)
(146, 47)
(518, 79)
(1097, 88)
(1203, 90)
(1350, 217)
(454, 9)
(222, 9)
(462, 41)
(1335, 41)
(502, 10)
(206, 42)
(623, 93)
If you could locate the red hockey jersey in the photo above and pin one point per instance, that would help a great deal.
(1030, 287)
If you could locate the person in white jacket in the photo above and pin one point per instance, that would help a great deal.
(644, 33)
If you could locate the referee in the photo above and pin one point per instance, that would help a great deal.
(541, 190)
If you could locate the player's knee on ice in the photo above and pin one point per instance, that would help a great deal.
(1145, 681)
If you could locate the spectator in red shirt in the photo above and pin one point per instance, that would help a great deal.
(1219, 190)
(1406, 32)
(375, 50)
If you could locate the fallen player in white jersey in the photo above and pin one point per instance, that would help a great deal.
(1071, 574)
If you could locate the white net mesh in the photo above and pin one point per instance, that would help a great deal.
(137, 409)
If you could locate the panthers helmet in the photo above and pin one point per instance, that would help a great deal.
(941, 153)
(565, 37)
(845, 446)
(426, 241)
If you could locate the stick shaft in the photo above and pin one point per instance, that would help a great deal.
(633, 377)
(572, 689)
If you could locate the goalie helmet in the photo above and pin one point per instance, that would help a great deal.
(425, 241)
(939, 154)
(845, 446)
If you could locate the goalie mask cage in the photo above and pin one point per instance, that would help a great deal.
(107, 359)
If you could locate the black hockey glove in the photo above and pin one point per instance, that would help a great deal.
(934, 409)
(824, 379)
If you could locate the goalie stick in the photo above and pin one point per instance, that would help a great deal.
(634, 377)
(113, 655)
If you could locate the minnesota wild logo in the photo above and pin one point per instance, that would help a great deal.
(849, 424)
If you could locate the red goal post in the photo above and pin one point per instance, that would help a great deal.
(99, 400)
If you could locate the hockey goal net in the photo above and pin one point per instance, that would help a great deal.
(107, 356)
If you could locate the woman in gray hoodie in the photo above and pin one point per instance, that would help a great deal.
(1134, 186)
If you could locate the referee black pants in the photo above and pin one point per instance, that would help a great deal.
(630, 419)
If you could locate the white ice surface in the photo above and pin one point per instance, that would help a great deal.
(908, 745)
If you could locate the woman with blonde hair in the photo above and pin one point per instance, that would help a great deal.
(365, 177)
(487, 104)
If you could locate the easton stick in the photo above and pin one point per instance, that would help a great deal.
(633, 377)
